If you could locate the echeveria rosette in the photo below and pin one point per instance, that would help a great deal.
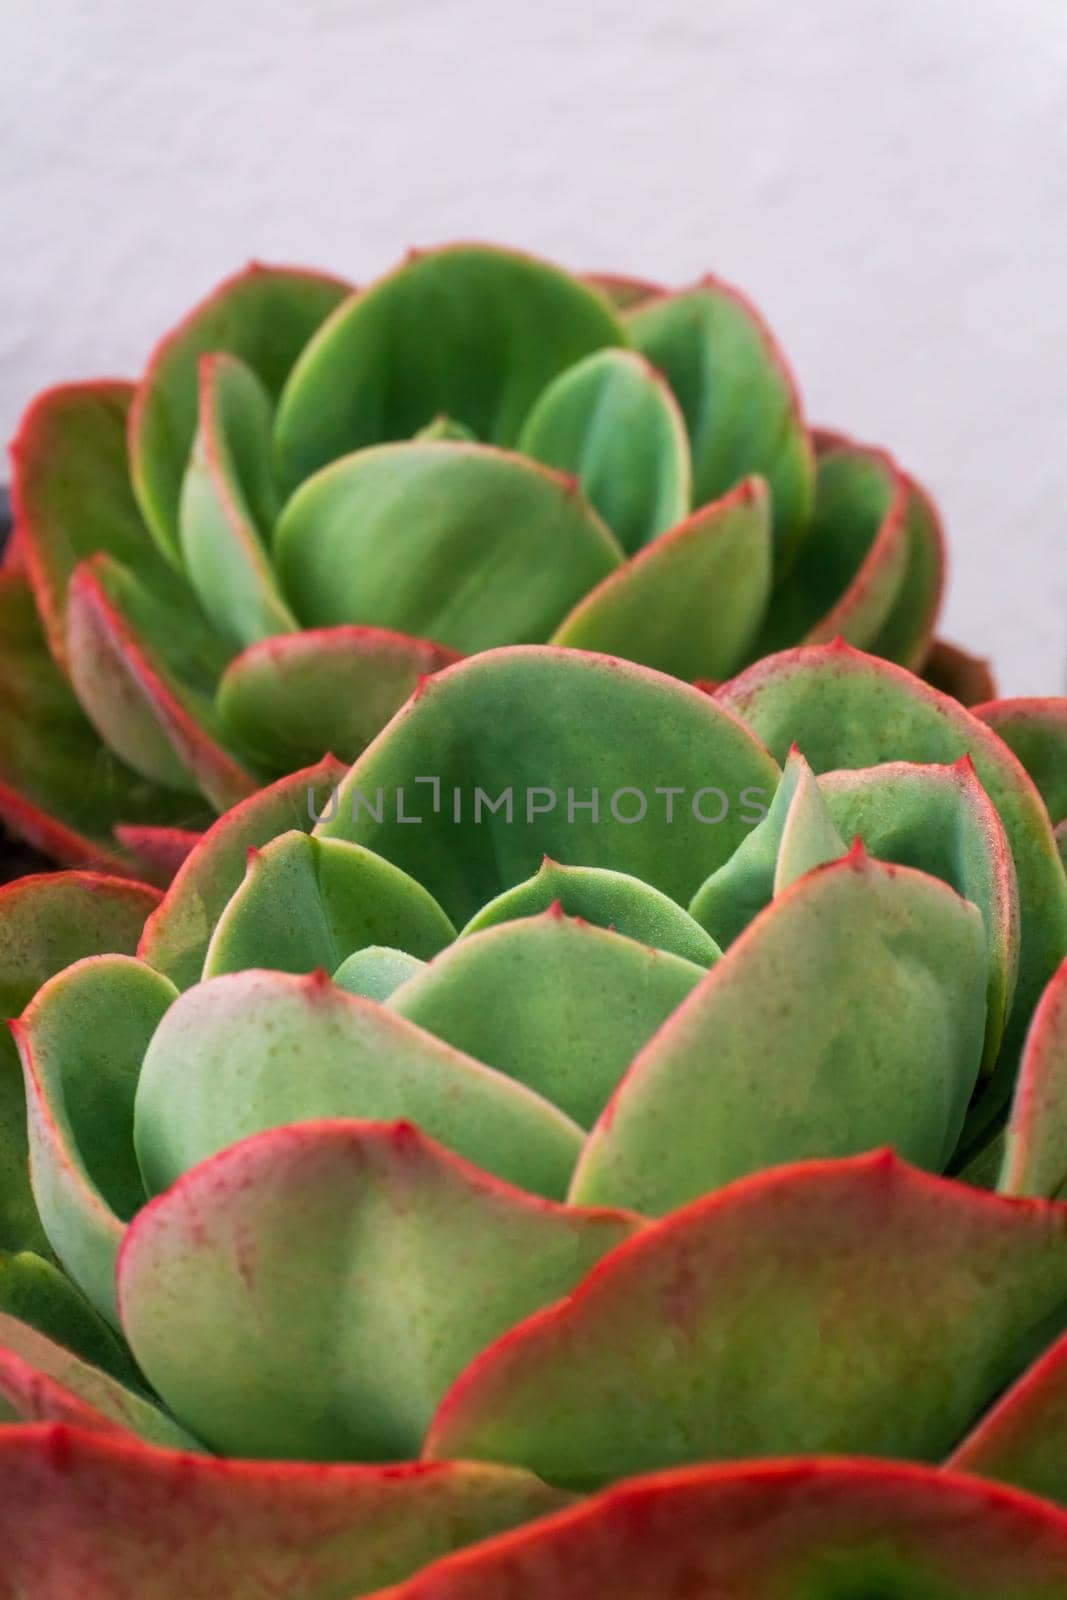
(315, 497)
(566, 1176)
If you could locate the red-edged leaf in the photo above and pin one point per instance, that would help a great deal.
(1023, 1439)
(1035, 1158)
(1036, 729)
(162, 850)
(624, 292)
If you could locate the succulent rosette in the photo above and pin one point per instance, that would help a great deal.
(314, 497)
(610, 1140)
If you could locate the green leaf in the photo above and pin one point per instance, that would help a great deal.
(1022, 1440)
(555, 1003)
(177, 936)
(607, 899)
(738, 399)
(334, 1280)
(1035, 1156)
(36, 1293)
(850, 1014)
(228, 506)
(1036, 730)
(82, 1041)
(470, 331)
(462, 544)
(551, 726)
(263, 315)
(310, 903)
(258, 1050)
(374, 973)
(613, 422)
(848, 1307)
(444, 429)
(692, 602)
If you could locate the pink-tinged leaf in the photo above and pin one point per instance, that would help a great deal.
(691, 602)
(177, 935)
(145, 669)
(71, 493)
(83, 1514)
(332, 1280)
(1036, 729)
(162, 850)
(805, 1529)
(856, 1307)
(625, 293)
(1035, 1158)
(288, 699)
(61, 789)
(1022, 1440)
(967, 678)
(82, 1040)
(264, 316)
(40, 1381)
(47, 922)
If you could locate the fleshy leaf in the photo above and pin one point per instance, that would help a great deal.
(555, 1003)
(145, 667)
(809, 838)
(264, 316)
(623, 291)
(374, 973)
(845, 709)
(807, 1529)
(1036, 729)
(310, 903)
(549, 726)
(325, 1275)
(692, 602)
(967, 678)
(36, 1293)
(462, 544)
(841, 1307)
(46, 923)
(1035, 1157)
(738, 398)
(176, 937)
(228, 506)
(61, 789)
(470, 331)
(613, 422)
(286, 700)
(257, 1050)
(446, 429)
(608, 900)
(850, 1013)
(1022, 1440)
(150, 1524)
(82, 1041)
(161, 850)
(40, 1381)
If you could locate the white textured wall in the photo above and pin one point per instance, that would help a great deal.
(887, 177)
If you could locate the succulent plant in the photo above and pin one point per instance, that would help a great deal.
(617, 1148)
(315, 497)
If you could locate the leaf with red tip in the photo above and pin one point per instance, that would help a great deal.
(176, 937)
(40, 1381)
(82, 1041)
(71, 493)
(333, 1280)
(807, 1529)
(555, 1003)
(145, 667)
(1035, 1157)
(841, 1307)
(264, 316)
(228, 506)
(46, 923)
(850, 1014)
(845, 709)
(738, 398)
(691, 602)
(1036, 729)
(469, 330)
(106, 1519)
(612, 420)
(550, 726)
(286, 700)
(61, 789)
(310, 903)
(1023, 1439)
(624, 292)
(257, 1050)
(607, 899)
(469, 546)
(162, 850)
(969, 679)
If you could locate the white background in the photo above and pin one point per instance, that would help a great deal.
(888, 178)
